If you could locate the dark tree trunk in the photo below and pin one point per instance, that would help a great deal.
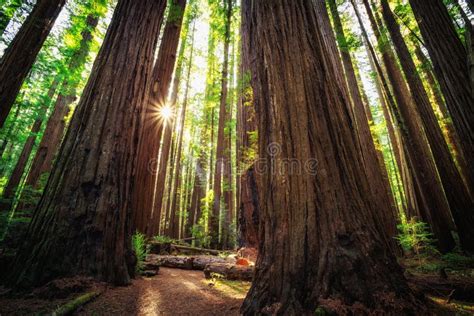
(460, 201)
(22, 51)
(152, 130)
(380, 187)
(438, 212)
(320, 246)
(84, 216)
(214, 217)
(450, 61)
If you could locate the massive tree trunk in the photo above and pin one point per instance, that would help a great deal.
(22, 51)
(438, 212)
(380, 187)
(82, 224)
(214, 217)
(450, 61)
(320, 247)
(460, 201)
(152, 130)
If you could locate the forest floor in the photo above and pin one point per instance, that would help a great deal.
(449, 291)
(171, 292)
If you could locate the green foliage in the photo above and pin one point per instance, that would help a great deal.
(457, 261)
(141, 250)
(164, 239)
(415, 237)
(198, 231)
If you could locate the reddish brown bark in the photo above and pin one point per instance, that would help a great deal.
(247, 195)
(22, 51)
(152, 130)
(450, 61)
(320, 246)
(460, 201)
(84, 216)
(417, 147)
(451, 134)
(380, 187)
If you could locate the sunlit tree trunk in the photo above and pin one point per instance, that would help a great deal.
(148, 169)
(22, 51)
(460, 201)
(450, 61)
(84, 216)
(380, 187)
(248, 211)
(320, 245)
(417, 147)
(214, 218)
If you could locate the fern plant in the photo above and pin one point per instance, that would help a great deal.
(141, 250)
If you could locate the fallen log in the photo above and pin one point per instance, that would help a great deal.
(182, 262)
(229, 271)
(71, 306)
(179, 262)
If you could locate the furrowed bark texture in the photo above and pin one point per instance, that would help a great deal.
(22, 51)
(380, 187)
(82, 224)
(320, 246)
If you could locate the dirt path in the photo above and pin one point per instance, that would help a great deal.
(171, 292)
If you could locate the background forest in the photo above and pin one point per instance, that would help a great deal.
(192, 167)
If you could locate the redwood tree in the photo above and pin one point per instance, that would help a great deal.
(450, 61)
(438, 213)
(460, 201)
(214, 217)
(374, 168)
(155, 127)
(82, 224)
(22, 51)
(321, 246)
